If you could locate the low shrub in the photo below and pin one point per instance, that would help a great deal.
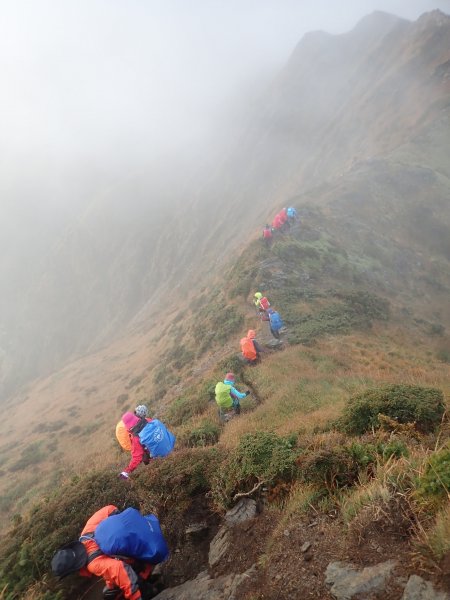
(340, 466)
(184, 407)
(261, 458)
(435, 481)
(205, 434)
(336, 467)
(404, 403)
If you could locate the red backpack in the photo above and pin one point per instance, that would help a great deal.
(264, 303)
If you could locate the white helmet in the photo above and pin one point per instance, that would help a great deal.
(141, 411)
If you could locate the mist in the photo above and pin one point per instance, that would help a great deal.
(110, 82)
(127, 106)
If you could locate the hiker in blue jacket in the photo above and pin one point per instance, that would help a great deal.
(291, 214)
(275, 323)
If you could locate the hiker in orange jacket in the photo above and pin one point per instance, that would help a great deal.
(126, 578)
(250, 348)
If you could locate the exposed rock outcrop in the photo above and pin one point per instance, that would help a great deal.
(205, 588)
(347, 581)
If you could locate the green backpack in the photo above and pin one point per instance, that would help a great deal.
(223, 397)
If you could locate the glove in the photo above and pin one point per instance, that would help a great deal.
(247, 393)
(124, 475)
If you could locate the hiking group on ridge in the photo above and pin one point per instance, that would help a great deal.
(280, 223)
(122, 547)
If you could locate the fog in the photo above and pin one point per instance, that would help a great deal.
(95, 82)
(119, 100)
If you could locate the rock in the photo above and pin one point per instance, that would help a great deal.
(197, 529)
(419, 589)
(274, 344)
(244, 510)
(286, 532)
(306, 546)
(219, 546)
(347, 581)
(205, 588)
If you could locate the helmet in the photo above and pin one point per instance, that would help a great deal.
(141, 411)
(68, 559)
(230, 377)
(251, 334)
(258, 295)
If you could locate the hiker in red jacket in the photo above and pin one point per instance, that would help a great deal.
(284, 219)
(134, 425)
(277, 223)
(267, 235)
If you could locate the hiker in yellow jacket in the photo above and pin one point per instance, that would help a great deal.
(228, 397)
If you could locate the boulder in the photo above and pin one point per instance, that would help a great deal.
(348, 581)
(219, 546)
(419, 589)
(244, 510)
(205, 588)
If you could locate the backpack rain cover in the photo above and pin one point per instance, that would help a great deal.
(133, 535)
(158, 440)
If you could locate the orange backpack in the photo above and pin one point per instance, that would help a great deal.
(248, 348)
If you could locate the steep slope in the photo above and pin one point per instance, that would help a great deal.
(362, 282)
(339, 99)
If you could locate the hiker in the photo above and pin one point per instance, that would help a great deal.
(149, 439)
(250, 348)
(276, 223)
(122, 435)
(133, 426)
(261, 302)
(107, 539)
(227, 397)
(283, 219)
(291, 214)
(267, 235)
(275, 323)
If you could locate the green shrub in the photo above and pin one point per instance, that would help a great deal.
(355, 310)
(206, 434)
(261, 457)
(186, 406)
(335, 467)
(341, 466)
(436, 479)
(404, 403)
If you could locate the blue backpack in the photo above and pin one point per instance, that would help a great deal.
(276, 321)
(133, 535)
(158, 440)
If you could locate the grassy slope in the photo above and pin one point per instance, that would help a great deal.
(356, 319)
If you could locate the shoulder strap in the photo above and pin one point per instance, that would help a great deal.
(136, 430)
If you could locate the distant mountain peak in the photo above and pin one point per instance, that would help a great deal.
(434, 18)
